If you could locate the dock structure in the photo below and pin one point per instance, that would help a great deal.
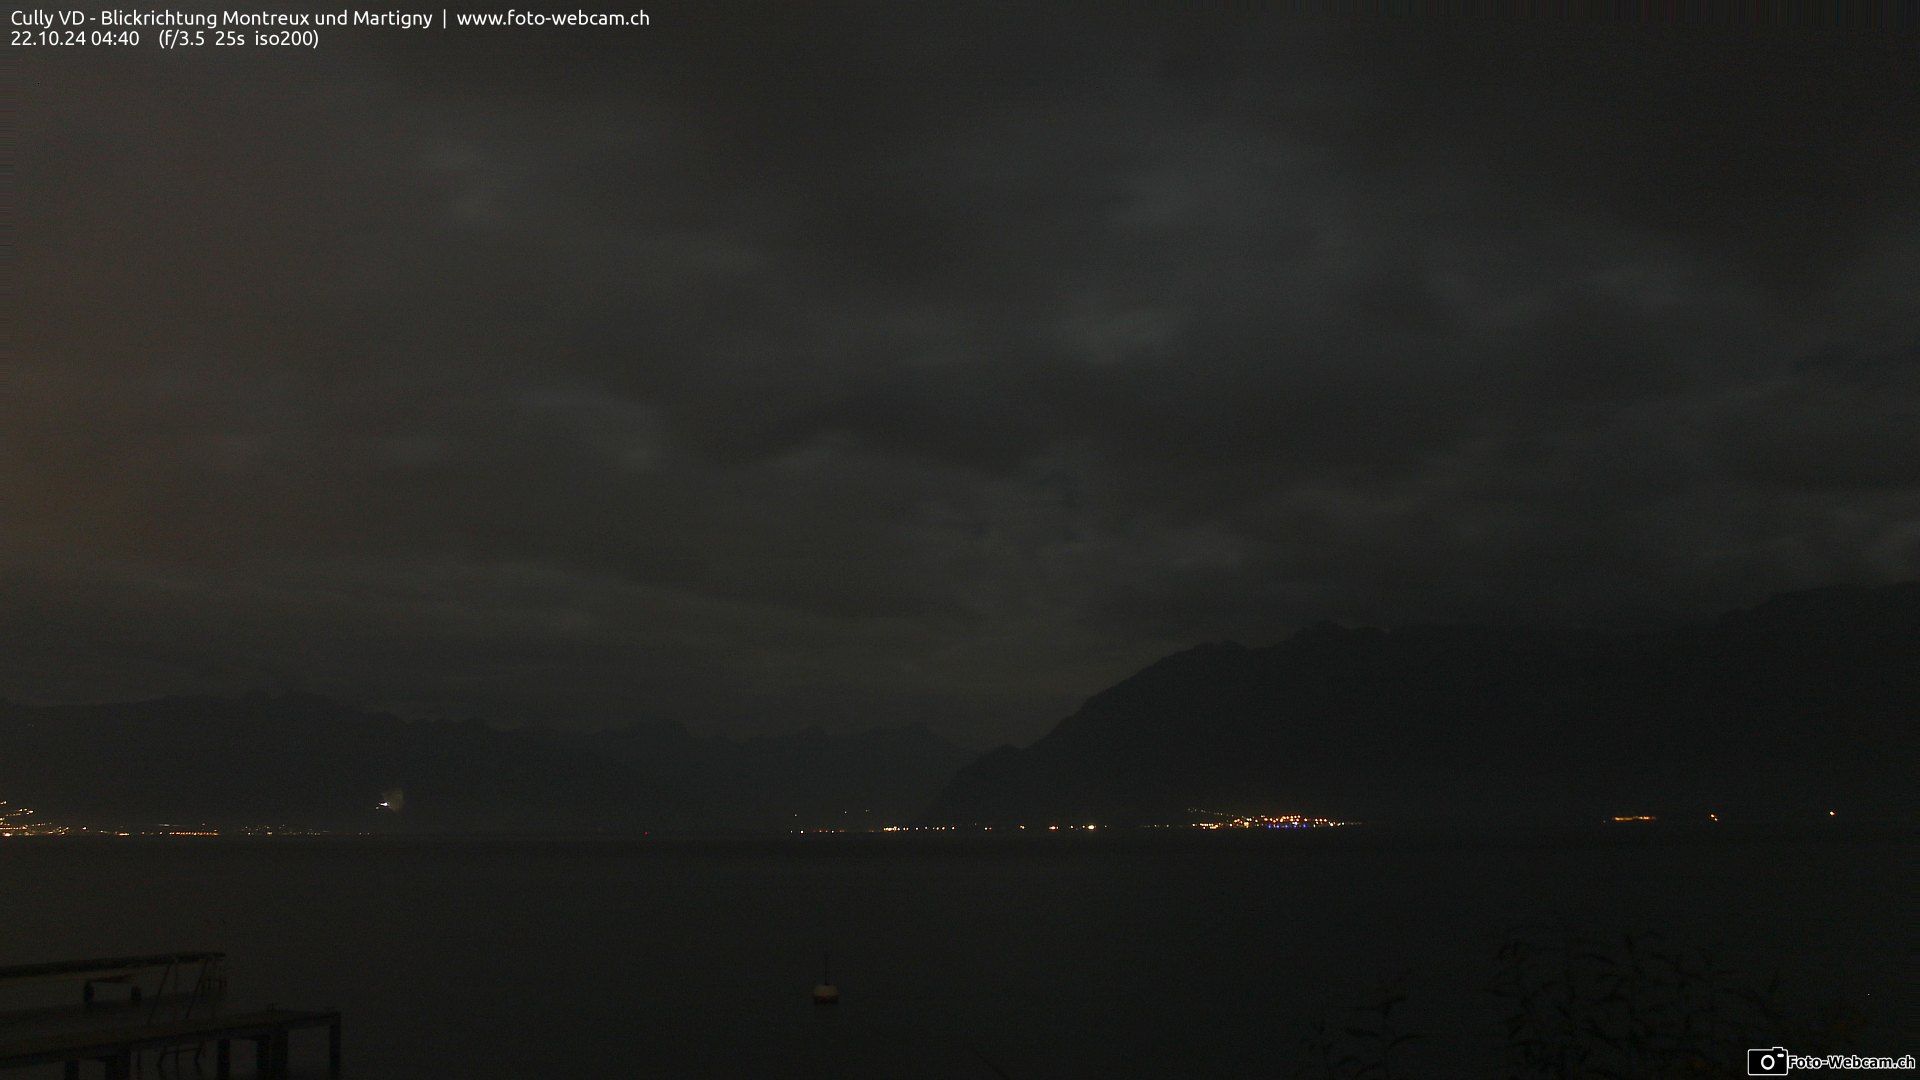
(122, 969)
(114, 1048)
(181, 1017)
(105, 965)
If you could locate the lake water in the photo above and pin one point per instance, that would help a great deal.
(1085, 955)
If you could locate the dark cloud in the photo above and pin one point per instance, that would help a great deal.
(857, 364)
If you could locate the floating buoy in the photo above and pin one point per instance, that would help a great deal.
(824, 992)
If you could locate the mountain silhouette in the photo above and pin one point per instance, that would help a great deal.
(308, 761)
(1805, 703)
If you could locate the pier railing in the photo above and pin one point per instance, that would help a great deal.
(114, 1048)
(179, 1018)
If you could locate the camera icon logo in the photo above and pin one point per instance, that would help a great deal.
(1769, 1062)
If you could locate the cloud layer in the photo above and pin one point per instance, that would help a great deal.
(868, 363)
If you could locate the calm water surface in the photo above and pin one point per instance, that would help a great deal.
(1030, 956)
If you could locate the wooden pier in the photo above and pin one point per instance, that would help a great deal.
(119, 969)
(180, 1018)
(114, 1048)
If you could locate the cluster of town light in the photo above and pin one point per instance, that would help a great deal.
(1273, 821)
(20, 821)
(1264, 821)
(208, 830)
(1630, 819)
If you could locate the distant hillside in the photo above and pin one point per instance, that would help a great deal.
(304, 760)
(1809, 701)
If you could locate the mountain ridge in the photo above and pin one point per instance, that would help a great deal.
(309, 761)
(1804, 700)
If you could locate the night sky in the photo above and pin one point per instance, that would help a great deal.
(786, 364)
